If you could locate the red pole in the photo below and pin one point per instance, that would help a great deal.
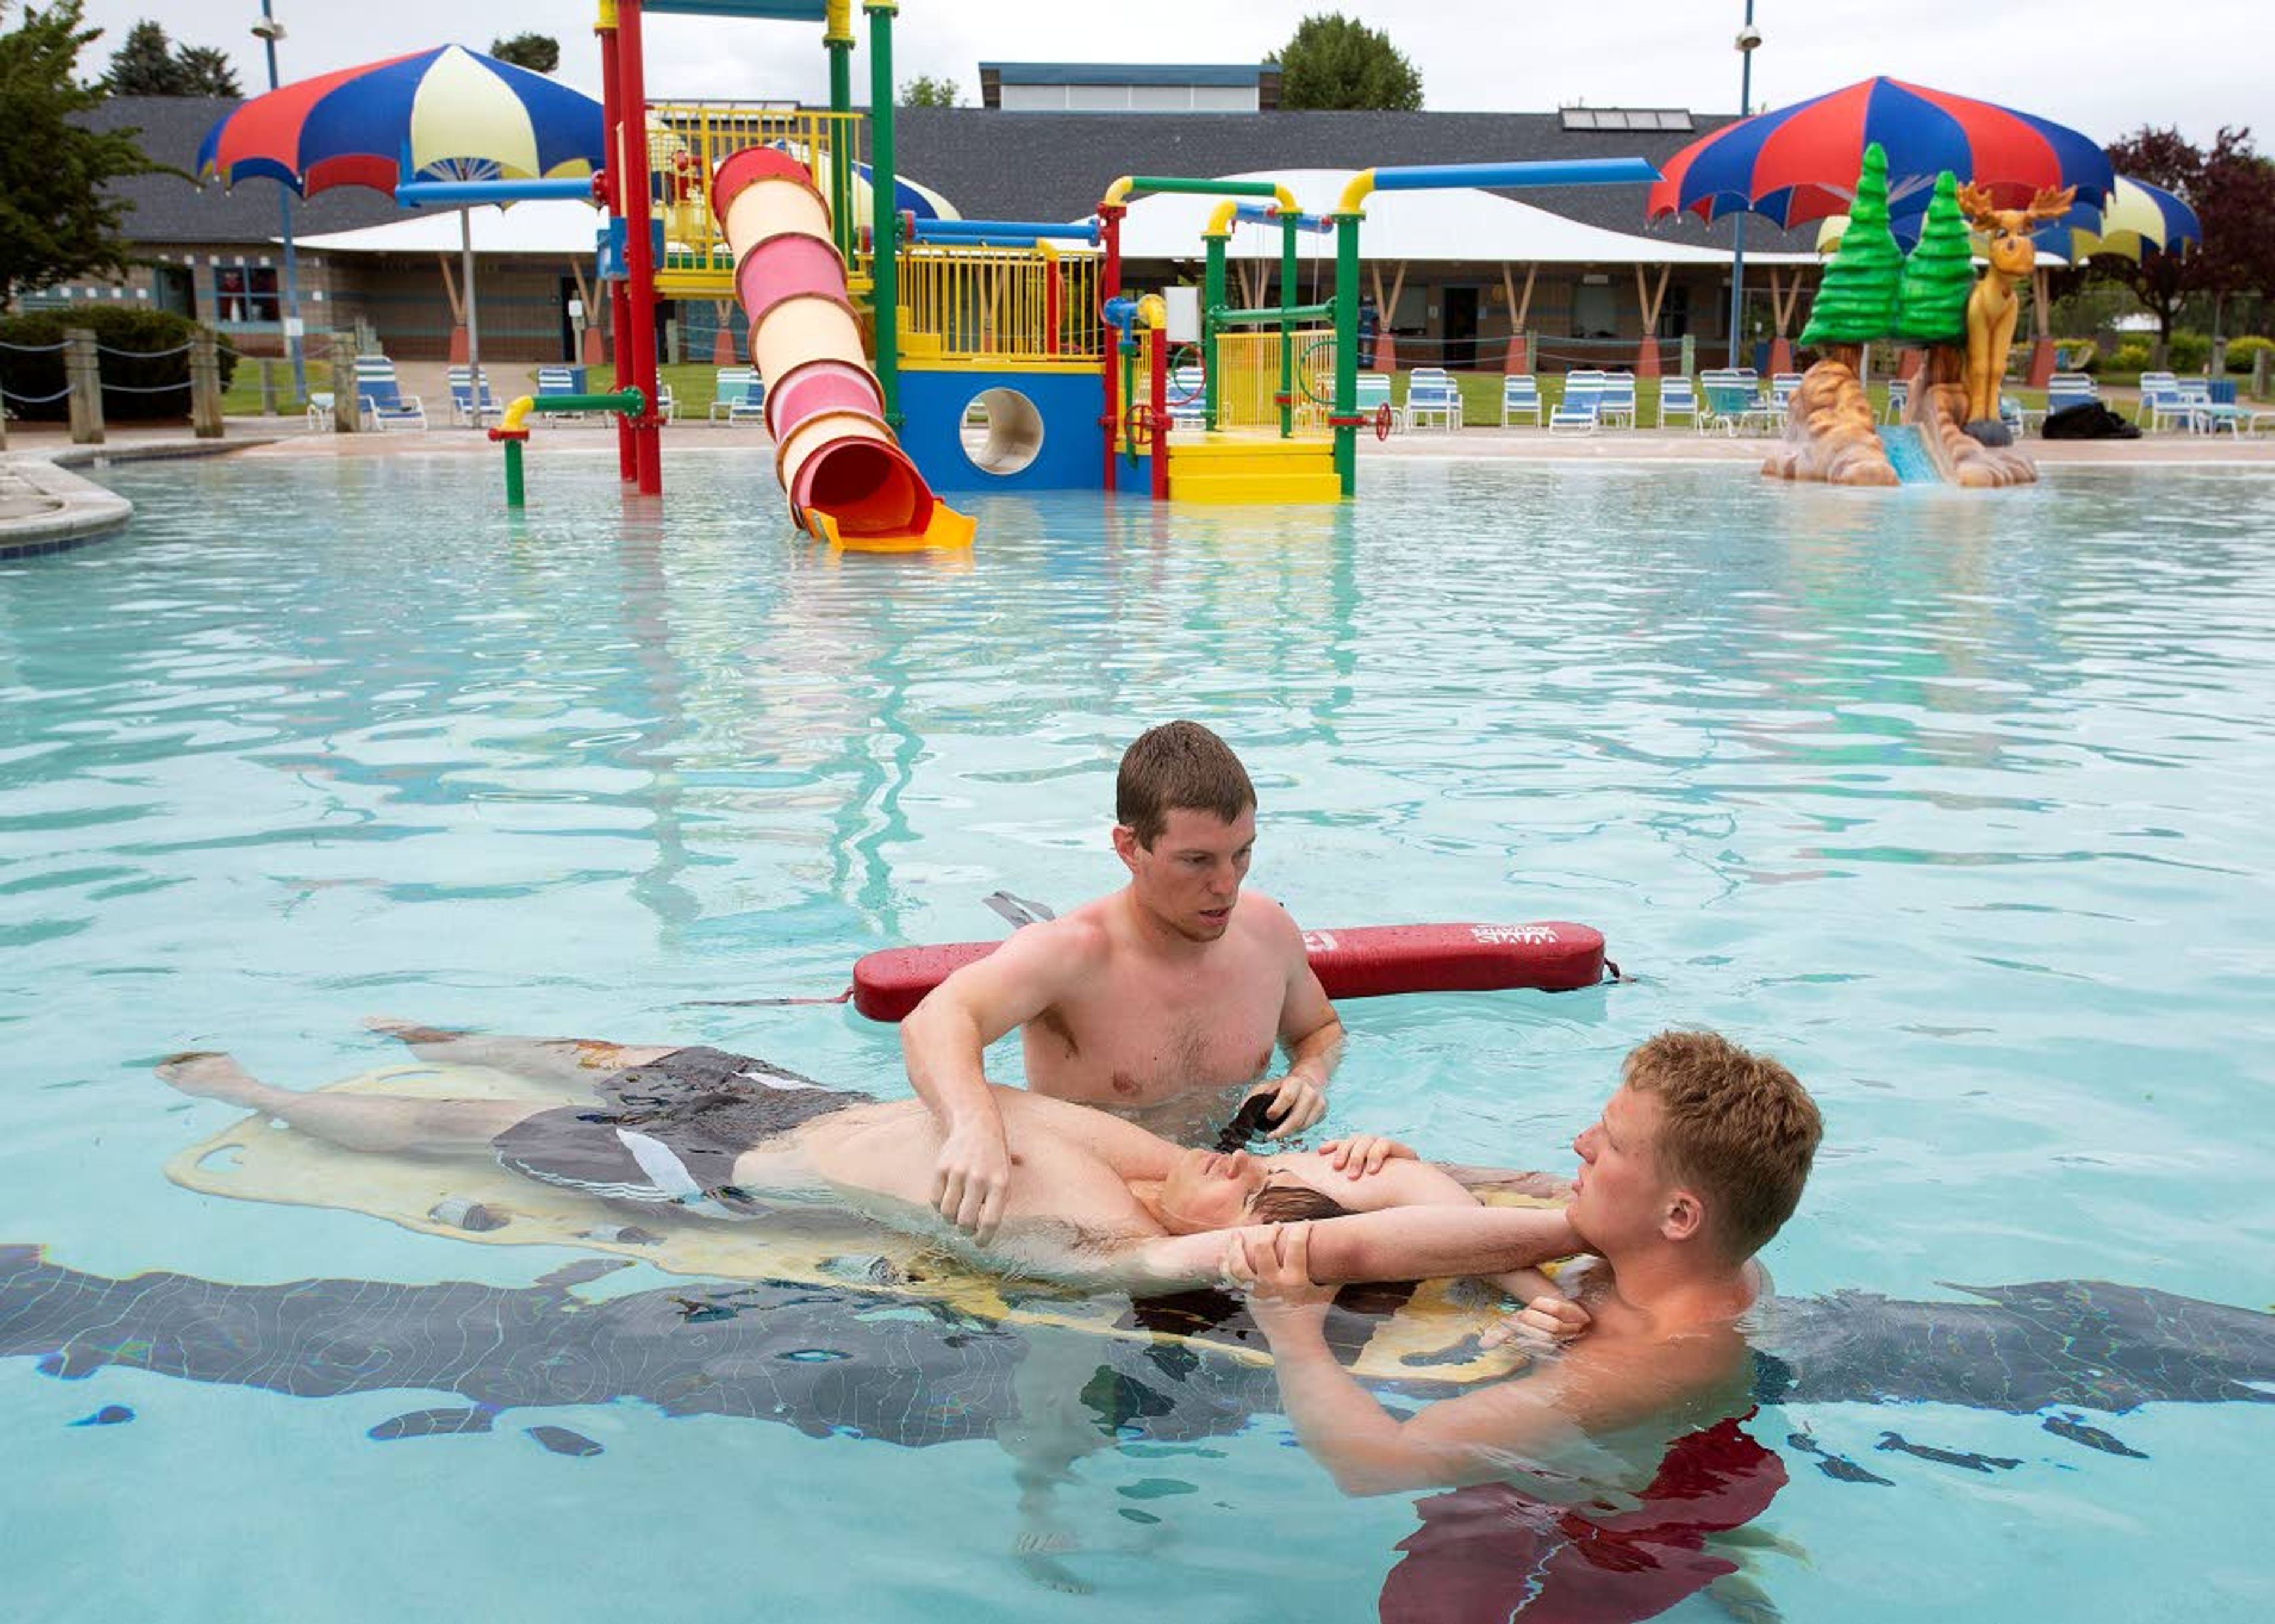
(1109, 287)
(639, 251)
(612, 194)
(1161, 415)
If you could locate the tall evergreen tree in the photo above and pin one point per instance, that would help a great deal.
(1856, 303)
(1939, 274)
(57, 220)
(148, 63)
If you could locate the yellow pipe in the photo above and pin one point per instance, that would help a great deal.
(607, 23)
(838, 30)
(1287, 198)
(516, 413)
(1220, 220)
(1153, 311)
(1355, 193)
(1118, 193)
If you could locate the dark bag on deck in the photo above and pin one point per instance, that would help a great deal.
(2089, 420)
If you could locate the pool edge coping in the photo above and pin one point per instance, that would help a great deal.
(75, 510)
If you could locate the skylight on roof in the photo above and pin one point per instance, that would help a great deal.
(1625, 119)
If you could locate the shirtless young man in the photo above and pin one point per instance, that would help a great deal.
(1697, 1160)
(1098, 1201)
(1160, 1001)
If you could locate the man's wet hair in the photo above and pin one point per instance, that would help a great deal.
(1178, 766)
(1737, 1127)
(1293, 1203)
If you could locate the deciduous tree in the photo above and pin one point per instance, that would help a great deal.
(58, 219)
(1335, 62)
(926, 91)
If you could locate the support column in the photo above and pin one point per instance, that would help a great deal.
(83, 371)
(1347, 349)
(884, 183)
(613, 195)
(347, 413)
(640, 245)
(837, 39)
(204, 386)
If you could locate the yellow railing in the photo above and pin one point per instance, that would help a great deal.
(985, 304)
(1247, 378)
(686, 143)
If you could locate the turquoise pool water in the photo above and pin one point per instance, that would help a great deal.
(1948, 801)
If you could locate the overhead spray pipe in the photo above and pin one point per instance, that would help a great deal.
(1054, 231)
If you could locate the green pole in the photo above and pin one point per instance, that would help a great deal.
(1346, 349)
(885, 267)
(841, 141)
(1212, 301)
(514, 491)
(1287, 326)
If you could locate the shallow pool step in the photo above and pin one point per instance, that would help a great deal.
(1241, 469)
(1280, 487)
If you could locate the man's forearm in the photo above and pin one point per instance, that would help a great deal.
(1337, 1420)
(1425, 1242)
(1317, 1054)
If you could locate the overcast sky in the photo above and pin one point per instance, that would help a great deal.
(2105, 67)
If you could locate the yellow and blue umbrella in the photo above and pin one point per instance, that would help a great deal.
(2140, 219)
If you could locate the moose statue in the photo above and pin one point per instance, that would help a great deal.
(1991, 308)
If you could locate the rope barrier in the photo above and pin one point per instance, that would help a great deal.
(135, 389)
(143, 355)
(34, 348)
(34, 400)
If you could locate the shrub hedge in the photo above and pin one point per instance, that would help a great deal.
(144, 336)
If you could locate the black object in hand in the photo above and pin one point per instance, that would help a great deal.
(1254, 1115)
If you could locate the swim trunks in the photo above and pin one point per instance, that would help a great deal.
(669, 1131)
(1490, 1552)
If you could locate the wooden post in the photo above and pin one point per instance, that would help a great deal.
(267, 390)
(2259, 378)
(205, 386)
(83, 370)
(345, 412)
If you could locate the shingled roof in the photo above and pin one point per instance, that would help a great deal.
(1054, 166)
(167, 208)
(1002, 165)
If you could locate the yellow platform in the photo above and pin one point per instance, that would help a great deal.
(1252, 468)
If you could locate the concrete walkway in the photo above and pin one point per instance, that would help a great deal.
(45, 507)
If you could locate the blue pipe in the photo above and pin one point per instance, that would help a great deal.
(1057, 230)
(458, 193)
(1547, 172)
(1256, 214)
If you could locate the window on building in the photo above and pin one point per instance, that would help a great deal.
(246, 293)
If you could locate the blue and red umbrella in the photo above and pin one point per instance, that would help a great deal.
(1799, 163)
(446, 114)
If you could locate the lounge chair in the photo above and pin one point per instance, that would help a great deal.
(2065, 389)
(558, 380)
(319, 411)
(666, 404)
(2164, 406)
(462, 406)
(739, 396)
(1520, 399)
(1678, 397)
(1615, 401)
(1431, 393)
(1579, 409)
(1732, 405)
(1188, 395)
(1375, 394)
(1900, 396)
(381, 403)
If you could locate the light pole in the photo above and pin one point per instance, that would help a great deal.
(1748, 37)
(268, 30)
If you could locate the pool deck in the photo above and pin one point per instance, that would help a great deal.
(45, 507)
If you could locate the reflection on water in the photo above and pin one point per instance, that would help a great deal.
(1951, 802)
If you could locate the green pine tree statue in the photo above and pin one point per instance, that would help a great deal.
(1856, 304)
(1932, 303)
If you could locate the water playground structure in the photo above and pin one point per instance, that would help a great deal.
(906, 358)
(1952, 430)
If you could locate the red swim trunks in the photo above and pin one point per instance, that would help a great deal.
(1494, 1552)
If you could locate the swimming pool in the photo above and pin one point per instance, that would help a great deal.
(1947, 801)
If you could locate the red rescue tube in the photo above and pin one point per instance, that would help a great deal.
(1367, 961)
